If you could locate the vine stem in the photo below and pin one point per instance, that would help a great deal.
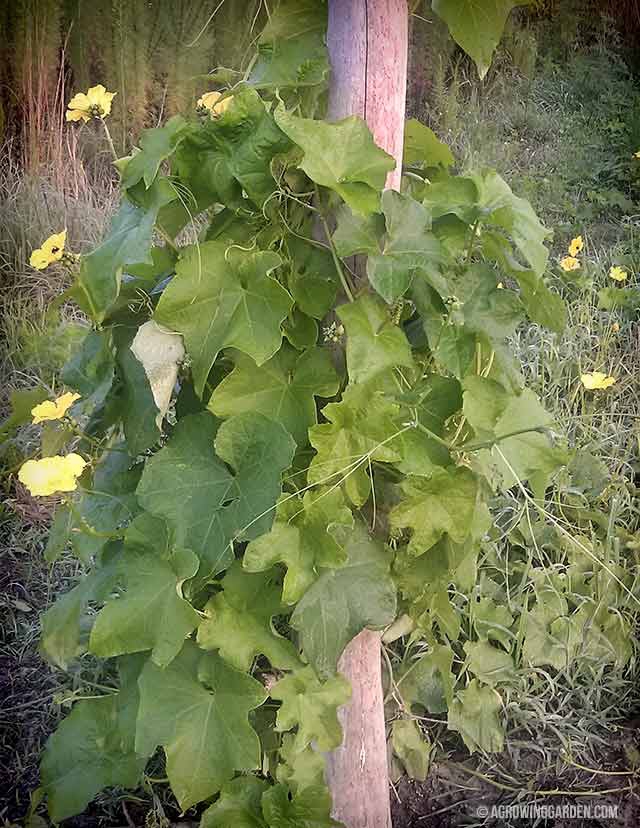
(490, 443)
(109, 139)
(167, 239)
(472, 241)
(334, 255)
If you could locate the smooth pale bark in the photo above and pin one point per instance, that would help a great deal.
(367, 42)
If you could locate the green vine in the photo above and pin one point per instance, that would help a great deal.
(280, 454)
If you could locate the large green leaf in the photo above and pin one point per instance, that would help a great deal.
(476, 25)
(428, 680)
(407, 245)
(308, 535)
(361, 428)
(341, 156)
(139, 409)
(284, 388)
(542, 306)
(239, 805)
(204, 504)
(500, 206)
(129, 241)
(239, 621)
(411, 748)
(299, 768)
(487, 310)
(91, 368)
(489, 664)
(232, 153)
(197, 709)
(374, 343)
(224, 298)
(312, 278)
(60, 639)
(102, 504)
(422, 146)
(344, 601)
(92, 749)
(312, 707)
(474, 714)
(441, 504)
(309, 808)
(291, 47)
(528, 455)
(156, 145)
(151, 614)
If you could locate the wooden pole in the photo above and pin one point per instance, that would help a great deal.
(367, 42)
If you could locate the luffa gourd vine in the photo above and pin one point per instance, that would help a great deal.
(281, 452)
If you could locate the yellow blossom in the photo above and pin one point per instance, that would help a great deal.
(51, 250)
(95, 103)
(636, 154)
(55, 410)
(500, 286)
(576, 246)
(211, 101)
(615, 327)
(52, 474)
(597, 381)
(569, 263)
(618, 274)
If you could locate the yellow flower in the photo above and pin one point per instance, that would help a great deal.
(597, 381)
(500, 286)
(618, 274)
(615, 327)
(569, 263)
(52, 474)
(55, 410)
(51, 250)
(576, 246)
(211, 101)
(95, 103)
(636, 154)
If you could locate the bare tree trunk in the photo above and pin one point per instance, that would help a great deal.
(367, 42)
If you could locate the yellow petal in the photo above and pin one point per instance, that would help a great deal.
(576, 246)
(569, 263)
(212, 102)
(597, 381)
(618, 274)
(209, 99)
(95, 95)
(52, 474)
(75, 463)
(223, 105)
(77, 115)
(98, 96)
(39, 259)
(54, 245)
(79, 101)
(55, 410)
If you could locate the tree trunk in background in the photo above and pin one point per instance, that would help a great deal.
(367, 42)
